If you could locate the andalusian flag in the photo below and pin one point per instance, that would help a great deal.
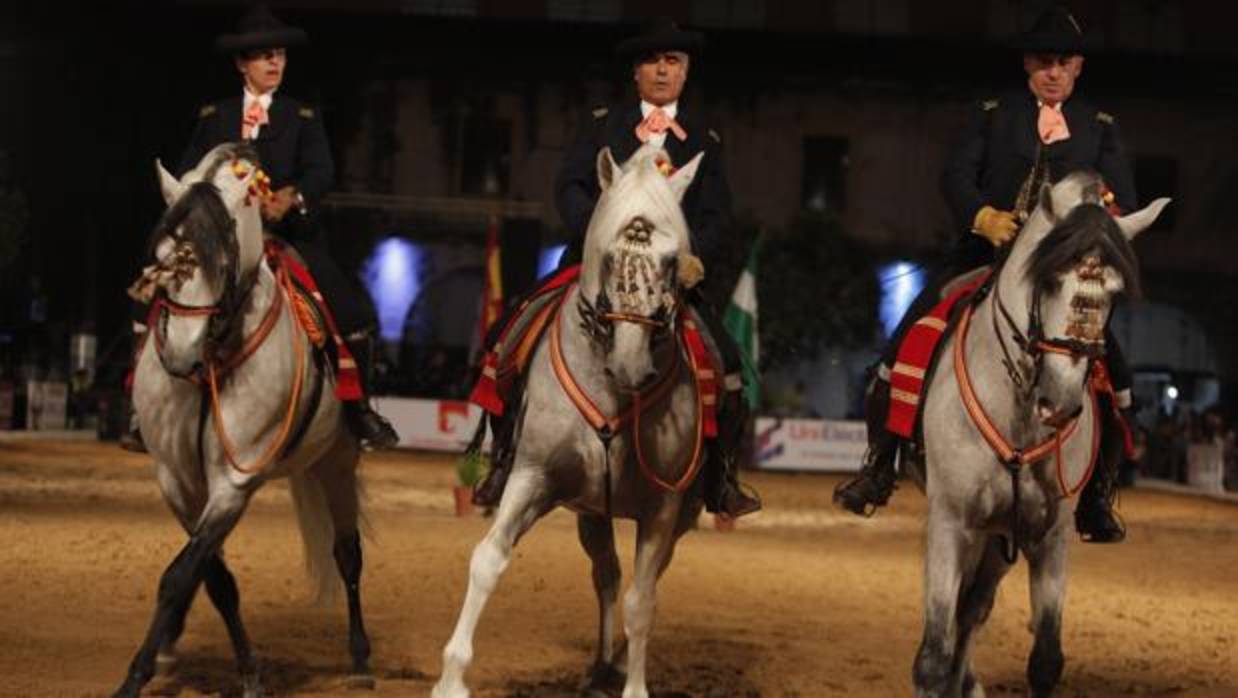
(740, 321)
(492, 280)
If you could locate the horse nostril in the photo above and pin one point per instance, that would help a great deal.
(648, 379)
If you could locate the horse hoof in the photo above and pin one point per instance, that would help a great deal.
(165, 664)
(603, 678)
(251, 687)
(364, 682)
(442, 690)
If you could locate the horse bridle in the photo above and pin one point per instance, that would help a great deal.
(1035, 344)
(221, 315)
(598, 318)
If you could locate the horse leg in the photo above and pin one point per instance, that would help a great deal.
(166, 659)
(655, 544)
(1047, 571)
(221, 588)
(597, 537)
(340, 486)
(974, 609)
(179, 582)
(186, 504)
(947, 541)
(524, 502)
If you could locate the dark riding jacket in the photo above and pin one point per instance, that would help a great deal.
(999, 148)
(292, 146)
(293, 149)
(706, 204)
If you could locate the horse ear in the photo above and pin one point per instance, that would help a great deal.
(1139, 221)
(682, 178)
(1046, 202)
(168, 184)
(608, 170)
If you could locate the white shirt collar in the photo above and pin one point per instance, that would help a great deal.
(671, 109)
(264, 100)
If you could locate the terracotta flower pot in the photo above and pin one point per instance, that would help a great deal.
(464, 500)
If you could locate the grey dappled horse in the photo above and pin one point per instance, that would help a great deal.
(1028, 354)
(615, 336)
(229, 397)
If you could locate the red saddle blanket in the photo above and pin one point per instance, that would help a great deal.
(347, 377)
(510, 356)
(919, 348)
(915, 356)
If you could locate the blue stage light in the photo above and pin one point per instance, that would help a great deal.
(900, 282)
(393, 276)
(548, 260)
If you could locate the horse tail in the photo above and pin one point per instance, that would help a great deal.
(309, 497)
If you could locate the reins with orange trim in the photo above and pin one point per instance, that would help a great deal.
(1015, 459)
(217, 370)
(608, 426)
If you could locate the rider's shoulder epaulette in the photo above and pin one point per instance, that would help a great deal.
(600, 112)
(206, 111)
(990, 104)
(714, 135)
(1104, 117)
(305, 113)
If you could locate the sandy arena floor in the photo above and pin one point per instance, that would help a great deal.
(800, 601)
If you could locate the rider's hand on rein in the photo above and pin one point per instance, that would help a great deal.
(998, 227)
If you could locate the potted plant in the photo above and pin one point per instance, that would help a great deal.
(470, 469)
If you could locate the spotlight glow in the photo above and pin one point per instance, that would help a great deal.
(393, 276)
(900, 283)
(548, 260)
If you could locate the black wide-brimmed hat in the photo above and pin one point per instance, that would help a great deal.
(661, 34)
(1055, 31)
(259, 28)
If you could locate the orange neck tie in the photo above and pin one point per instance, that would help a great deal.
(255, 116)
(1052, 125)
(659, 121)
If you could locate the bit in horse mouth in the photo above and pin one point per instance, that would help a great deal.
(1052, 417)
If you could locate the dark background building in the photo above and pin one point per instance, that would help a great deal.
(445, 113)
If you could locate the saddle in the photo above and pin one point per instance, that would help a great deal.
(917, 354)
(314, 316)
(508, 360)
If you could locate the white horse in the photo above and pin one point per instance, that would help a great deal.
(614, 338)
(1010, 430)
(229, 397)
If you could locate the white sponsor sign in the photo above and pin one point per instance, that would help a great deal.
(809, 444)
(432, 425)
(47, 405)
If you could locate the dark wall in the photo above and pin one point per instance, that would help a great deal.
(93, 92)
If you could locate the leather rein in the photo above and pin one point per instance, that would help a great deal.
(1035, 345)
(216, 368)
(607, 426)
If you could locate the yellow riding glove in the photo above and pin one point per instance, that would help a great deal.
(998, 227)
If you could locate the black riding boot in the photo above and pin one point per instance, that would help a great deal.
(1095, 519)
(723, 492)
(874, 484)
(131, 437)
(489, 491)
(373, 430)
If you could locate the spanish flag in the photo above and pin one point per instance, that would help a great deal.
(492, 280)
